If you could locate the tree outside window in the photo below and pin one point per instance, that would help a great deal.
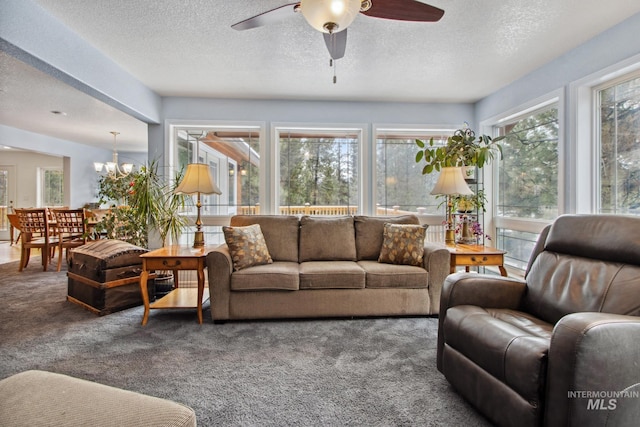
(319, 172)
(528, 173)
(400, 185)
(619, 148)
(527, 187)
(51, 187)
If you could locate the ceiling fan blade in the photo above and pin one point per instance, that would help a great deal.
(336, 43)
(269, 17)
(404, 10)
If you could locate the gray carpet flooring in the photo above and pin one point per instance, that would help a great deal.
(352, 372)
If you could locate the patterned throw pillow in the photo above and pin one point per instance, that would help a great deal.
(246, 246)
(402, 244)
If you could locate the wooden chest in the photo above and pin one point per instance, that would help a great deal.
(104, 276)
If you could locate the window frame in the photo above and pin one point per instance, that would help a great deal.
(583, 185)
(171, 147)
(411, 131)
(42, 173)
(597, 131)
(488, 127)
(281, 128)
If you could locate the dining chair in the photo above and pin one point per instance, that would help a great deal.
(34, 226)
(71, 230)
(14, 225)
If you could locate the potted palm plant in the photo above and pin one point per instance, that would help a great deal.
(141, 202)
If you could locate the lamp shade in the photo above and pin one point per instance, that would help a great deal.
(197, 179)
(451, 182)
(330, 15)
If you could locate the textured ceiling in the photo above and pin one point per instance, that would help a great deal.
(188, 48)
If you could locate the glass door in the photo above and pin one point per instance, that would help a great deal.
(7, 198)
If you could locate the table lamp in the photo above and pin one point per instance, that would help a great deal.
(198, 179)
(451, 182)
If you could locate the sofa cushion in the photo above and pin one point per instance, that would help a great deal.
(510, 345)
(402, 244)
(369, 230)
(246, 246)
(277, 276)
(280, 232)
(380, 275)
(331, 275)
(327, 239)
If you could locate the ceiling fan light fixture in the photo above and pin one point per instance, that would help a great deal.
(330, 16)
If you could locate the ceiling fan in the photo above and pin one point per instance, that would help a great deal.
(332, 17)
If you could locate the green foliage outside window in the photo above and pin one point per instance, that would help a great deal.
(400, 183)
(53, 187)
(318, 171)
(528, 174)
(620, 148)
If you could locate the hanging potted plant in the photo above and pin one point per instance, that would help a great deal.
(462, 149)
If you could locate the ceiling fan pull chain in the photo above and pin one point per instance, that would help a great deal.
(335, 79)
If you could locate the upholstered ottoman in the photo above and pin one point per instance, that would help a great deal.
(39, 398)
(104, 276)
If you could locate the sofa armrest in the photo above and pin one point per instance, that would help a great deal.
(481, 290)
(590, 356)
(436, 261)
(219, 269)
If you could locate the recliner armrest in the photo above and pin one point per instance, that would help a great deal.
(592, 354)
(481, 290)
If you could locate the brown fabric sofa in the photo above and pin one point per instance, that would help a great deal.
(324, 267)
(555, 348)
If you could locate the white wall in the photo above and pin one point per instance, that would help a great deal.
(612, 46)
(26, 173)
(33, 35)
(304, 112)
(80, 178)
(617, 47)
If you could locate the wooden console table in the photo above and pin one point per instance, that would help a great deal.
(476, 256)
(175, 258)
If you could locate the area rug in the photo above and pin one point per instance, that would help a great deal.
(334, 372)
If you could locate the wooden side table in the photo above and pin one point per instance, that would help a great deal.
(175, 258)
(476, 256)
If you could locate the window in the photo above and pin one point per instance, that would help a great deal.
(527, 180)
(4, 199)
(528, 173)
(319, 171)
(232, 154)
(50, 187)
(400, 185)
(619, 146)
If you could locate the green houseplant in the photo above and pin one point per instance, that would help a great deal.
(466, 204)
(140, 202)
(462, 149)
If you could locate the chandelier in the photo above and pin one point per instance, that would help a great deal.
(113, 170)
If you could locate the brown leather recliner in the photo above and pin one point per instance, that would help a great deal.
(561, 347)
